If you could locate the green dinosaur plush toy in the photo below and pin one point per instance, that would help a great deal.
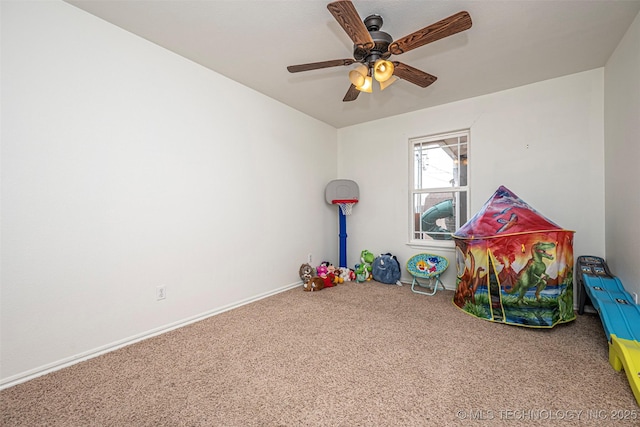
(363, 270)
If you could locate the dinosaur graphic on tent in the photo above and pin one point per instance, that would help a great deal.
(469, 282)
(465, 282)
(534, 272)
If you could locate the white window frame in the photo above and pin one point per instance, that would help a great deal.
(422, 243)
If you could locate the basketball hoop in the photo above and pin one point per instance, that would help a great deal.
(346, 205)
(344, 193)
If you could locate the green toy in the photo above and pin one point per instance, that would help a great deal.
(363, 270)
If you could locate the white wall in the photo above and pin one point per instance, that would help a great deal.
(126, 167)
(622, 155)
(560, 174)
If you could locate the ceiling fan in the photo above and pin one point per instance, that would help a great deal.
(372, 49)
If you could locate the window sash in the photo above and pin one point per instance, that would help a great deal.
(445, 156)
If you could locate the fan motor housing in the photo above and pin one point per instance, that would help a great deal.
(381, 42)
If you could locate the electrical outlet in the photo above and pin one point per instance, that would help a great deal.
(161, 292)
(310, 258)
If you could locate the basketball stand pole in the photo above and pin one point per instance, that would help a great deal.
(343, 239)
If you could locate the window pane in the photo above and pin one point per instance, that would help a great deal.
(461, 164)
(440, 164)
(434, 215)
(434, 167)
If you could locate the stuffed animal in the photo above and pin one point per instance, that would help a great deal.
(314, 284)
(325, 274)
(322, 269)
(363, 270)
(331, 268)
(338, 279)
(329, 280)
(347, 274)
(306, 273)
(334, 274)
(362, 274)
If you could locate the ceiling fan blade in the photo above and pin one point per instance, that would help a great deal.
(448, 26)
(318, 65)
(413, 75)
(351, 95)
(347, 16)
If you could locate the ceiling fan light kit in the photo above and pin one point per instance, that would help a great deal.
(367, 86)
(372, 49)
(358, 75)
(385, 84)
(383, 70)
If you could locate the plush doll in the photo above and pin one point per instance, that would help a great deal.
(322, 269)
(338, 279)
(306, 273)
(334, 274)
(314, 284)
(347, 274)
(329, 281)
(363, 270)
(361, 273)
(325, 274)
(331, 268)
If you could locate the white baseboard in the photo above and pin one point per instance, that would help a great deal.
(90, 354)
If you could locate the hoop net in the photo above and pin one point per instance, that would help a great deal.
(345, 205)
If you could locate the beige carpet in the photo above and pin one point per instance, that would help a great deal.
(355, 355)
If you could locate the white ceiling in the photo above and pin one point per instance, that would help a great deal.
(511, 43)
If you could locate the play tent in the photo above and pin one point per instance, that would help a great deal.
(514, 265)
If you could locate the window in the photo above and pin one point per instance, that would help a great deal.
(439, 186)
